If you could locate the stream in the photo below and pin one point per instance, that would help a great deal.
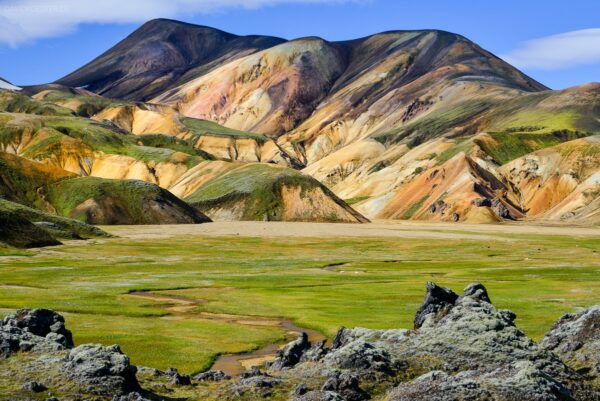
(233, 364)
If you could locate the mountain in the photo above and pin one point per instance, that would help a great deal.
(25, 227)
(55, 158)
(420, 125)
(305, 86)
(90, 199)
(159, 55)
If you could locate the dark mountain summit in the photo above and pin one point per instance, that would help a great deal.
(157, 55)
(163, 54)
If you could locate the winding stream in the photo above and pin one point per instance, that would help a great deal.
(232, 364)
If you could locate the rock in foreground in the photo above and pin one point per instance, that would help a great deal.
(462, 348)
(106, 369)
(575, 338)
(40, 330)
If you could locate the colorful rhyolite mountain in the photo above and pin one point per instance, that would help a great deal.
(402, 125)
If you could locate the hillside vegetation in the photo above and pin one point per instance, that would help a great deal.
(406, 124)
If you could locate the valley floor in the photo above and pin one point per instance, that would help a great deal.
(378, 228)
(183, 295)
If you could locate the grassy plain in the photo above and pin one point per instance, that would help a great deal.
(318, 282)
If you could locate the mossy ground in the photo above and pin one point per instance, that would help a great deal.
(91, 135)
(16, 103)
(87, 106)
(62, 228)
(128, 198)
(204, 127)
(258, 185)
(376, 283)
(512, 144)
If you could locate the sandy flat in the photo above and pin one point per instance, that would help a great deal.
(387, 228)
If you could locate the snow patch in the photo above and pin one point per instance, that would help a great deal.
(8, 85)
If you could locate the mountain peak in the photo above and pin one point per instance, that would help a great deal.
(156, 55)
(163, 54)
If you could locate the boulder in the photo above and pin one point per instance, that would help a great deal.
(462, 348)
(315, 352)
(253, 371)
(134, 396)
(291, 354)
(575, 338)
(300, 389)
(181, 380)
(341, 338)
(263, 381)
(320, 396)
(437, 300)
(522, 382)
(40, 322)
(106, 370)
(211, 375)
(359, 355)
(40, 330)
(477, 291)
(34, 387)
(346, 385)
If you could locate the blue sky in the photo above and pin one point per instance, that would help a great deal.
(555, 42)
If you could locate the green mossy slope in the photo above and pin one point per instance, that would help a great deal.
(24, 227)
(255, 192)
(102, 201)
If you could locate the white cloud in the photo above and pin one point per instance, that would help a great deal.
(26, 20)
(560, 51)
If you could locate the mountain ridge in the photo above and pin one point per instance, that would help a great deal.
(149, 28)
(375, 119)
(166, 51)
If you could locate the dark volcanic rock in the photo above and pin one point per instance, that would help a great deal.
(254, 371)
(437, 299)
(291, 354)
(262, 381)
(347, 386)
(522, 382)
(320, 396)
(575, 338)
(41, 322)
(462, 349)
(359, 355)
(500, 209)
(105, 369)
(315, 352)
(477, 291)
(341, 338)
(181, 380)
(212, 375)
(34, 387)
(301, 389)
(438, 207)
(39, 330)
(482, 202)
(130, 397)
